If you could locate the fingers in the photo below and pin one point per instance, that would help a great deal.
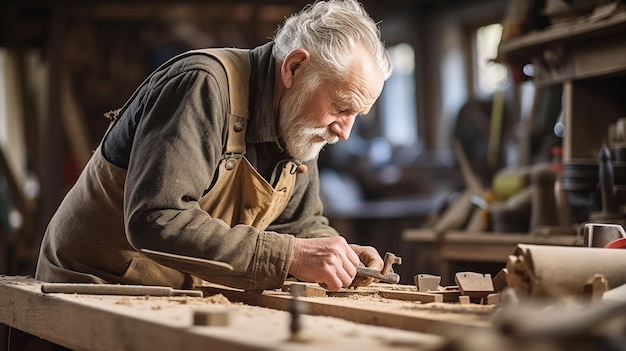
(341, 274)
(328, 261)
(340, 280)
(362, 281)
(369, 256)
(371, 259)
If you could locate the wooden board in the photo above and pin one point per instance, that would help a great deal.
(366, 306)
(99, 322)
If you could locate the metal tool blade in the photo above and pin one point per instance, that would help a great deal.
(392, 278)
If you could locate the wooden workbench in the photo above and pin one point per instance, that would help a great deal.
(105, 322)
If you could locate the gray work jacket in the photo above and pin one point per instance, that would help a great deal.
(141, 188)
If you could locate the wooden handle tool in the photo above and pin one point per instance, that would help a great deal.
(116, 289)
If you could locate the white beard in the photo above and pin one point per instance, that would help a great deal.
(296, 133)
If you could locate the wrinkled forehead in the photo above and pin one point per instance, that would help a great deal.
(363, 82)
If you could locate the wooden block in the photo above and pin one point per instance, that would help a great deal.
(410, 296)
(213, 317)
(493, 299)
(499, 281)
(448, 295)
(464, 300)
(306, 290)
(426, 282)
(474, 284)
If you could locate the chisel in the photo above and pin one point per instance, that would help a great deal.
(392, 278)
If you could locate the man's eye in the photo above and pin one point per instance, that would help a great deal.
(340, 109)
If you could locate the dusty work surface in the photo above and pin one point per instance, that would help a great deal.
(109, 322)
(387, 305)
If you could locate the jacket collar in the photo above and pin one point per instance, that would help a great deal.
(263, 121)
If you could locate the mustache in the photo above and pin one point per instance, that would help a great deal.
(328, 135)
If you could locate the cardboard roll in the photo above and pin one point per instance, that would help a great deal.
(557, 271)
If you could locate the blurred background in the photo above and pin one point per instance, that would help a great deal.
(63, 64)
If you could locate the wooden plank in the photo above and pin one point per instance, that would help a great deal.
(305, 289)
(99, 322)
(103, 326)
(372, 310)
(411, 296)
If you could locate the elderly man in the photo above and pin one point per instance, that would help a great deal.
(215, 157)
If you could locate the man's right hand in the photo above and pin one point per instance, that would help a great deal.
(328, 261)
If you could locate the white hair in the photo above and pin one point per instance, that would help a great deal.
(330, 31)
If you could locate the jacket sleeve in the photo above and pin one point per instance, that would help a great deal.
(303, 216)
(175, 152)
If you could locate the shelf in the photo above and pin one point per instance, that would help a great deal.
(462, 250)
(578, 30)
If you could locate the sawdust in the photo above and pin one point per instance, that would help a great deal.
(124, 301)
(17, 279)
(217, 299)
(448, 307)
(398, 287)
(181, 300)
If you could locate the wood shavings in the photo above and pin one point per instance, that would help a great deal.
(125, 301)
(455, 307)
(216, 299)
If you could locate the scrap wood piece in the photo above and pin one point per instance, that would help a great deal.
(499, 281)
(426, 282)
(211, 316)
(492, 299)
(423, 297)
(344, 292)
(448, 295)
(474, 284)
(304, 289)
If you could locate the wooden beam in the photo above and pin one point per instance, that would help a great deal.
(372, 310)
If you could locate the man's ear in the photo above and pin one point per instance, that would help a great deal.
(292, 65)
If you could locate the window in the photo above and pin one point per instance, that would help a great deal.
(398, 110)
(490, 76)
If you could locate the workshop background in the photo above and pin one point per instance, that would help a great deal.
(461, 112)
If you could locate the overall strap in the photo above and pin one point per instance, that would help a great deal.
(236, 62)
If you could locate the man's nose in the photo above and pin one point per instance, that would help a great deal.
(342, 126)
